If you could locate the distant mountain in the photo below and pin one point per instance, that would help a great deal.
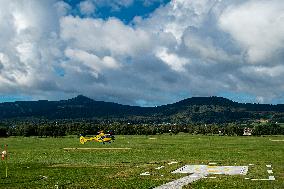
(191, 110)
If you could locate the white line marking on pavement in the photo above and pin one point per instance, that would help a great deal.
(145, 174)
(161, 167)
(172, 162)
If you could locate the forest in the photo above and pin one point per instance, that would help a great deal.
(88, 127)
(84, 116)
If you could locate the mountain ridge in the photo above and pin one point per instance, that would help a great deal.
(194, 109)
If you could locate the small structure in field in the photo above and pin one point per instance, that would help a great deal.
(263, 120)
(247, 131)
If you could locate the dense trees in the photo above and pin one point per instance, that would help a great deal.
(268, 129)
(81, 115)
(46, 128)
(3, 132)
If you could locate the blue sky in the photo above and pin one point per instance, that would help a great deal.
(126, 13)
(142, 52)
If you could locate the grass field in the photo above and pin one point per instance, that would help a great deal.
(44, 163)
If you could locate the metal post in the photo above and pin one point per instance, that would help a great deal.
(6, 159)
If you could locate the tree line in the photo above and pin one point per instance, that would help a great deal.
(63, 128)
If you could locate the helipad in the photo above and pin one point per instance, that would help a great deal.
(207, 169)
(201, 171)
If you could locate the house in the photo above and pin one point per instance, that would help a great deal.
(247, 131)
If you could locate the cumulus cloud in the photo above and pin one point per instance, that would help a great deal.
(179, 15)
(25, 44)
(109, 37)
(91, 61)
(258, 26)
(185, 48)
(174, 61)
(87, 7)
(62, 8)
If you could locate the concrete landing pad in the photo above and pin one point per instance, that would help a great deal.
(207, 169)
(201, 171)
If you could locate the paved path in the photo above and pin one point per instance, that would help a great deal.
(178, 184)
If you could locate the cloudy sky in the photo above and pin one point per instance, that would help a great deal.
(142, 52)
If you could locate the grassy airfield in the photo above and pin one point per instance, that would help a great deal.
(56, 163)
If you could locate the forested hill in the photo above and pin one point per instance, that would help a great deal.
(196, 109)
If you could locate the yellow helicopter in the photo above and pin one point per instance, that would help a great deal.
(100, 137)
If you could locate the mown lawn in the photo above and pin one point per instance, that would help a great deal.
(43, 163)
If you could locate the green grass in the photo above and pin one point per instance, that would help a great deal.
(42, 162)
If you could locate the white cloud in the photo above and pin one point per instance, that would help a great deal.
(179, 15)
(24, 43)
(258, 26)
(91, 60)
(110, 36)
(62, 8)
(174, 61)
(265, 72)
(184, 48)
(87, 7)
(115, 5)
